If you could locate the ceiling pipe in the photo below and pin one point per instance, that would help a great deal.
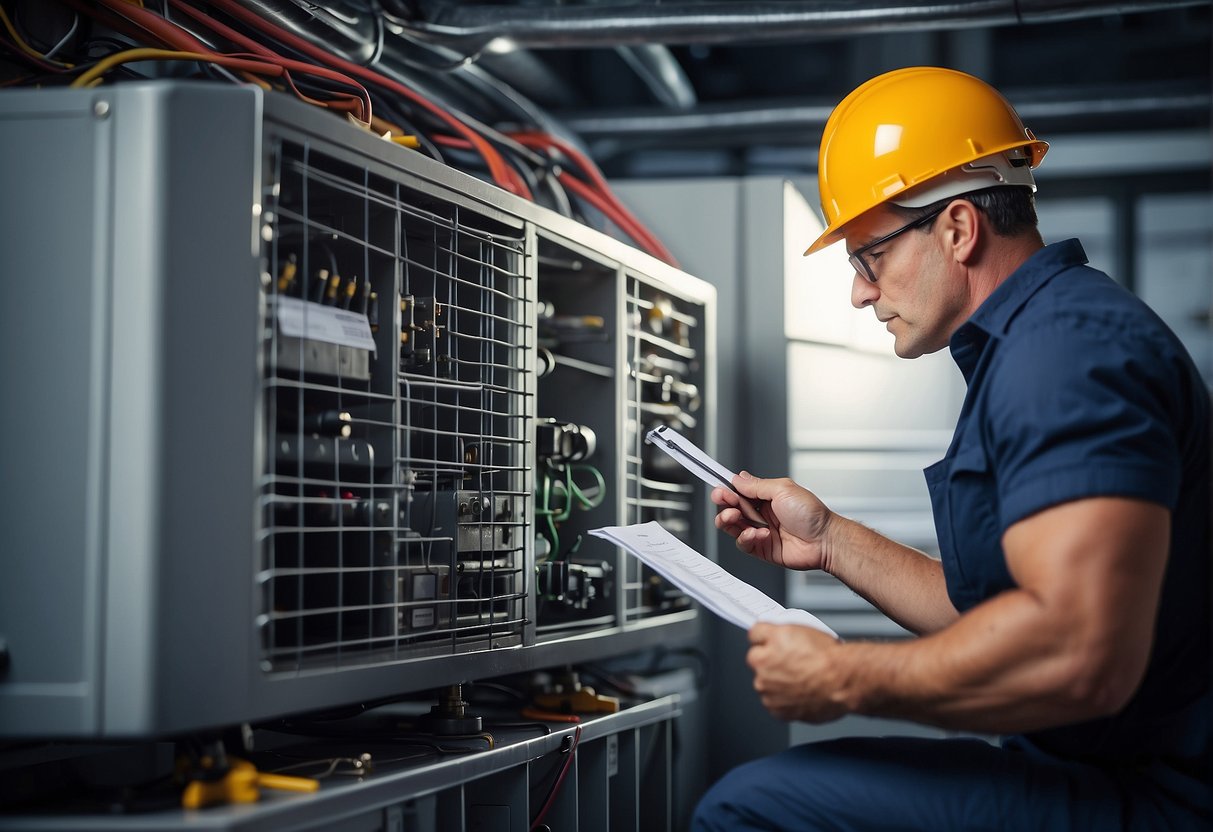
(470, 28)
(659, 70)
(1053, 108)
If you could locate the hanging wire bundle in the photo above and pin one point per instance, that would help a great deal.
(108, 41)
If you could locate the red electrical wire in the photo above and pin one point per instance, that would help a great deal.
(599, 196)
(240, 39)
(502, 173)
(153, 23)
(223, 30)
(564, 770)
(625, 222)
(175, 36)
(546, 141)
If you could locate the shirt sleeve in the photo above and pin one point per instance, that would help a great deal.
(1078, 408)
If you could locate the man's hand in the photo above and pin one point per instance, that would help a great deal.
(794, 673)
(905, 584)
(798, 522)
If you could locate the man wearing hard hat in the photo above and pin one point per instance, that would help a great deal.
(1069, 610)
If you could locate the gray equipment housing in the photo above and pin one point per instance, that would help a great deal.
(142, 443)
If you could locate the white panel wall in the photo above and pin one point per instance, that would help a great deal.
(1175, 267)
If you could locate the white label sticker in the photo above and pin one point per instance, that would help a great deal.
(302, 319)
(423, 618)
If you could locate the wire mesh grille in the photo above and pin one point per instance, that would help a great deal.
(665, 356)
(398, 385)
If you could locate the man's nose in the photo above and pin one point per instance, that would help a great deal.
(863, 291)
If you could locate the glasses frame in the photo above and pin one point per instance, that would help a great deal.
(863, 267)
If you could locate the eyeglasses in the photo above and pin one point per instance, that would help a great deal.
(863, 267)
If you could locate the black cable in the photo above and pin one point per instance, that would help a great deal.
(451, 62)
(560, 201)
(513, 693)
(525, 171)
(116, 45)
(543, 726)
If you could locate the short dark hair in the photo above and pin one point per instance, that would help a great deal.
(1011, 210)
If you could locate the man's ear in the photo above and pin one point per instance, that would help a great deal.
(965, 233)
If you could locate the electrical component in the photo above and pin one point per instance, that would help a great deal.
(563, 441)
(576, 585)
(451, 717)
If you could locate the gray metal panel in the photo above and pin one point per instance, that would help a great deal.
(593, 784)
(625, 784)
(144, 431)
(204, 400)
(53, 371)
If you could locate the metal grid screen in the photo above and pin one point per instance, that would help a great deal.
(398, 385)
(665, 359)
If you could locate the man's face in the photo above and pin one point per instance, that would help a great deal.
(918, 292)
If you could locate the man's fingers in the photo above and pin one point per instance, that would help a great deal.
(751, 536)
(760, 633)
(751, 486)
(728, 521)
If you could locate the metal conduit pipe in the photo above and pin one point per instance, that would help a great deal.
(660, 71)
(474, 27)
(1057, 107)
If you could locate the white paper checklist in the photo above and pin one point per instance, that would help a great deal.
(716, 589)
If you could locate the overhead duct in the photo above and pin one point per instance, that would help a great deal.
(473, 27)
(657, 67)
(1054, 108)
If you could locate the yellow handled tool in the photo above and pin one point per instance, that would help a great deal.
(241, 784)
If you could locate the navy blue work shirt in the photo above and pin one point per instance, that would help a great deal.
(1077, 389)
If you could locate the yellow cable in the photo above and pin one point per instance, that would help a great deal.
(253, 79)
(110, 61)
(25, 47)
(92, 77)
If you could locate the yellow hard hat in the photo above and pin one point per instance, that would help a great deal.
(914, 136)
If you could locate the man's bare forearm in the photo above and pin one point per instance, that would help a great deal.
(902, 582)
(999, 669)
(1069, 643)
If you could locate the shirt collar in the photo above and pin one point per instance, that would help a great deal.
(995, 313)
